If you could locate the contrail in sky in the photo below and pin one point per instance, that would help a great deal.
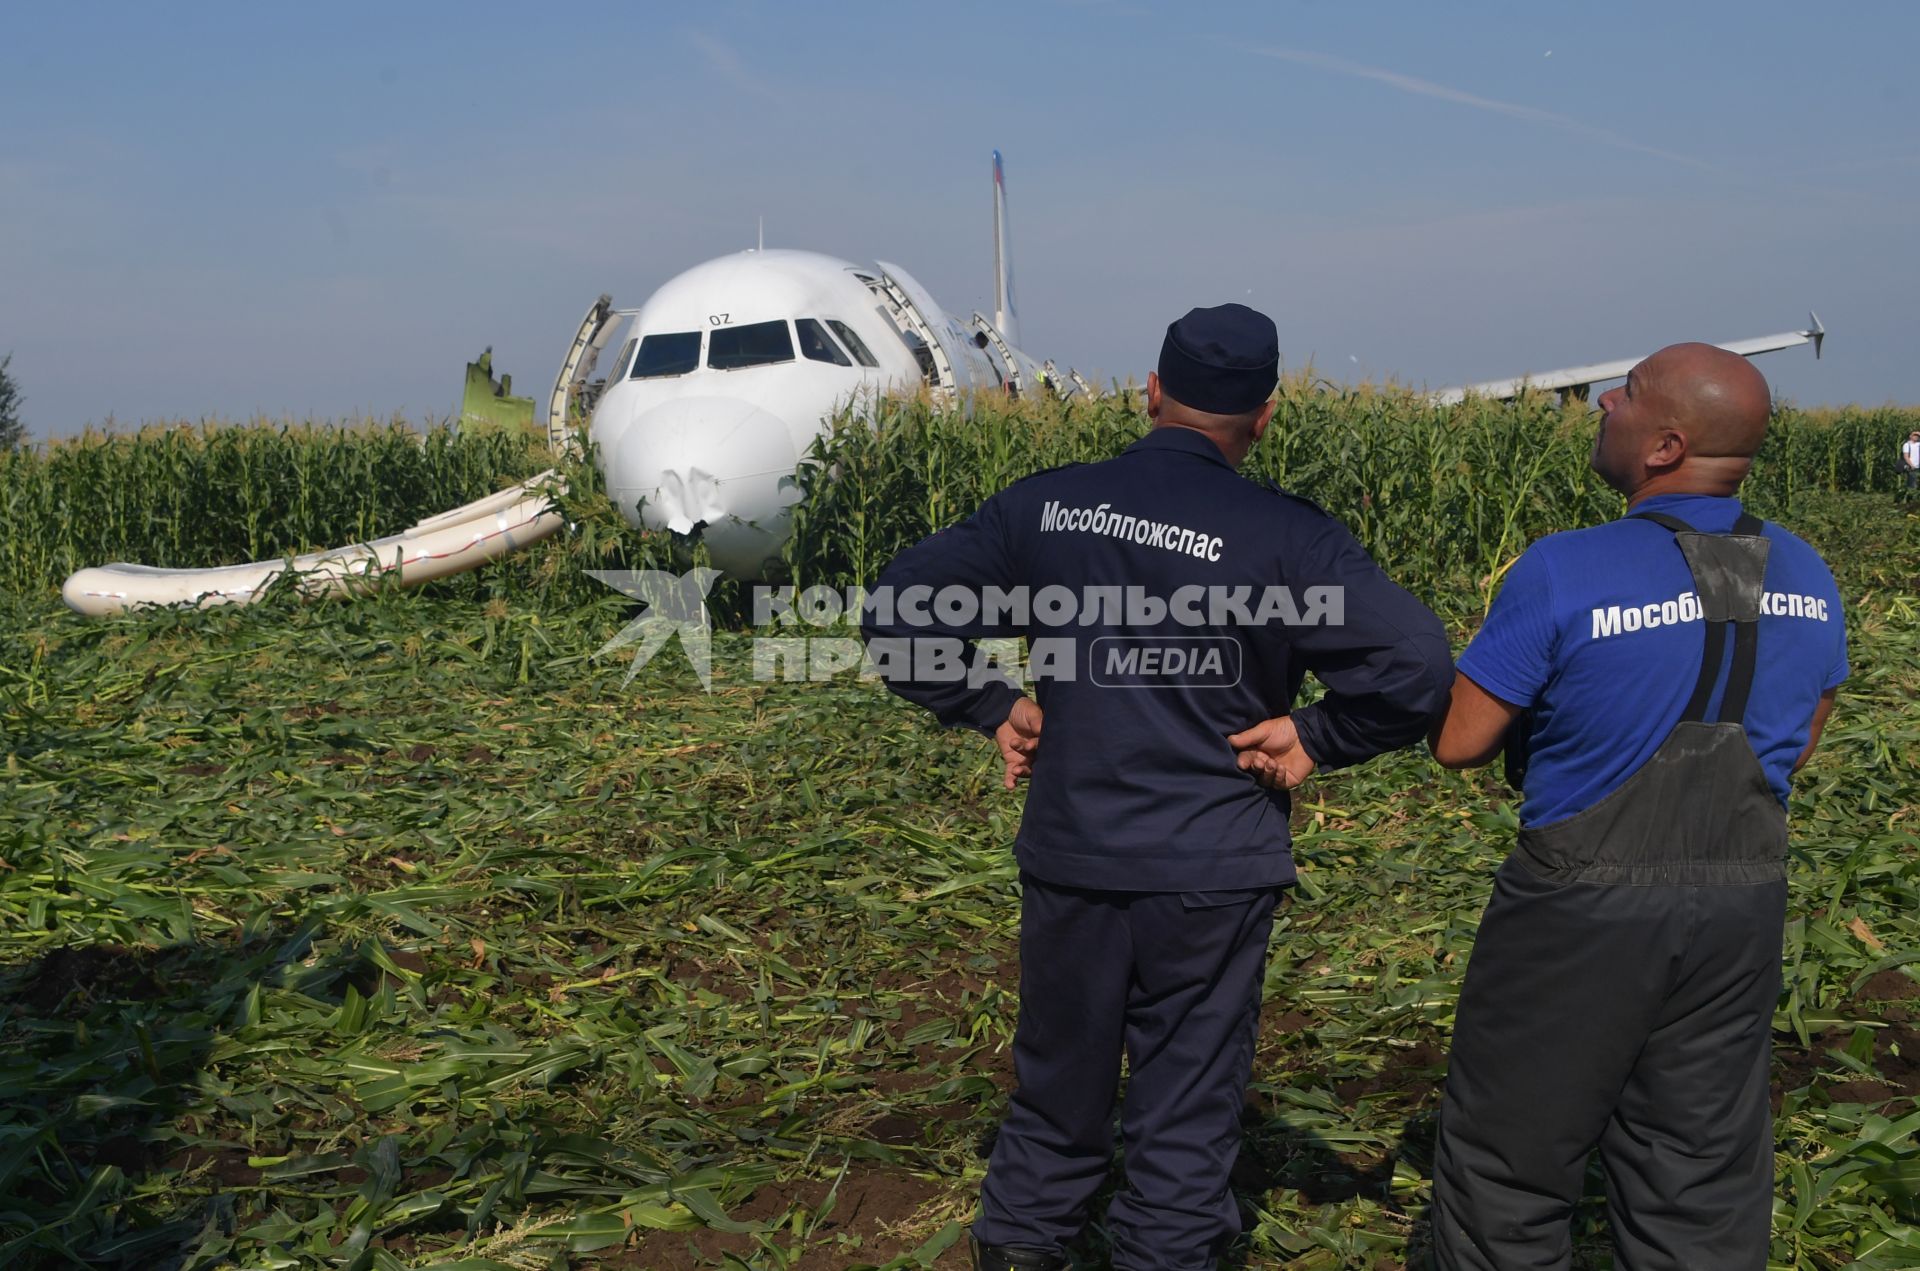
(728, 65)
(1513, 110)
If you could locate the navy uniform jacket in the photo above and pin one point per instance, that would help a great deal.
(1134, 786)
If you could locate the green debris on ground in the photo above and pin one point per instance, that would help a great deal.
(397, 933)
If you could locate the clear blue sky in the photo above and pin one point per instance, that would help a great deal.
(320, 209)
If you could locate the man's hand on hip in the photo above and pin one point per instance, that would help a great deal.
(1018, 739)
(1271, 751)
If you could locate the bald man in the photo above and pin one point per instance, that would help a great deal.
(1654, 681)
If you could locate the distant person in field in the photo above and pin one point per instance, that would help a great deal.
(1656, 680)
(1910, 458)
(1154, 847)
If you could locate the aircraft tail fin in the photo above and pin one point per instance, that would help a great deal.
(490, 400)
(1005, 316)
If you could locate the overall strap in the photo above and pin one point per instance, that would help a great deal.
(1729, 577)
(1673, 523)
(1746, 634)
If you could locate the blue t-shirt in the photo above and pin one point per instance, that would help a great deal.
(1596, 631)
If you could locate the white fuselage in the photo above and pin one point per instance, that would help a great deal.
(729, 371)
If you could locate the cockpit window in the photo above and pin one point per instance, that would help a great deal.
(667, 354)
(755, 344)
(816, 345)
(855, 345)
(620, 363)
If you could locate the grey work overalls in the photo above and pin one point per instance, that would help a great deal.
(1622, 988)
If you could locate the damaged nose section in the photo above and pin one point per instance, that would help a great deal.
(686, 500)
(710, 465)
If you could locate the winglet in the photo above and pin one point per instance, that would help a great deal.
(1818, 333)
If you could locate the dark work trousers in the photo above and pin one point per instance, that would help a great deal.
(1632, 1018)
(1174, 981)
(1621, 994)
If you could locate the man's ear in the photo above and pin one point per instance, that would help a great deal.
(1669, 449)
(1153, 395)
(1265, 418)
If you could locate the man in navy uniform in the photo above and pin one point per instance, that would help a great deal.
(1670, 670)
(1180, 606)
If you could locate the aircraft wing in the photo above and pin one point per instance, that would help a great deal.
(1578, 379)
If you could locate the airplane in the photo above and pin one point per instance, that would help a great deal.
(1577, 382)
(725, 376)
(730, 370)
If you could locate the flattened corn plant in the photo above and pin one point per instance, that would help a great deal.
(398, 933)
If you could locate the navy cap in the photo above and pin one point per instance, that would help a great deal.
(1224, 360)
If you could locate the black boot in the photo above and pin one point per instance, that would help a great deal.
(1014, 1258)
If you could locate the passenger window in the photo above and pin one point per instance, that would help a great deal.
(671, 354)
(816, 345)
(755, 344)
(855, 345)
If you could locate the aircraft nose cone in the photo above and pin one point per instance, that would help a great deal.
(687, 497)
(707, 461)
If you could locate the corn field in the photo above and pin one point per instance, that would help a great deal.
(1450, 495)
(193, 495)
(1446, 498)
(406, 932)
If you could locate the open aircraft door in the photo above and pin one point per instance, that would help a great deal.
(911, 311)
(957, 363)
(595, 330)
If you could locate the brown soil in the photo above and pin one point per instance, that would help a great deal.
(1279, 1026)
(76, 976)
(725, 981)
(934, 997)
(1900, 1073)
(1288, 1022)
(1868, 1092)
(1795, 1068)
(873, 1205)
(1893, 985)
(369, 978)
(225, 1166)
(895, 1129)
(1412, 1074)
(952, 983)
(127, 1153)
